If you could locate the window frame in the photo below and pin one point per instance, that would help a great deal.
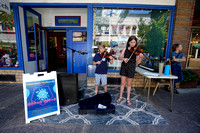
(18, 40)
(26, 33)
(132, 6)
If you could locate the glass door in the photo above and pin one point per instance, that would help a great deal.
(40, 35)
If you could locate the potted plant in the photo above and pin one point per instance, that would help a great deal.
(191, 79)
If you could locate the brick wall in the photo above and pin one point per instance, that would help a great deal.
(18, 75)
(138, 80)
(182, 24)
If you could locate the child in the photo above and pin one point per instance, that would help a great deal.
(177, 58)
(128, 67)
(101, 68)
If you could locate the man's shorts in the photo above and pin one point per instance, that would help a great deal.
(102, 78)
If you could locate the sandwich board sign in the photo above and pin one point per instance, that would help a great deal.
(40, 95)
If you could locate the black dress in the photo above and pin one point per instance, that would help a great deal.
(128, 69)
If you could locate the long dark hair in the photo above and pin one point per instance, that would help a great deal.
(130, 39)
(175, 46)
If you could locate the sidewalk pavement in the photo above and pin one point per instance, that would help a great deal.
(185, 117)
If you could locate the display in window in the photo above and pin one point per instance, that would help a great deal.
(128, 30)
(8, 58)
(114, 29)
(133, 30)
(121, 29)
(8, 46)
(113, 44)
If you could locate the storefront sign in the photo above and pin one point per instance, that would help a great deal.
(67, 20)
(40, 95)
(5, 5)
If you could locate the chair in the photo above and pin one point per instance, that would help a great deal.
(159, 83)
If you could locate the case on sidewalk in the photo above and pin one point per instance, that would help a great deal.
(91, 105)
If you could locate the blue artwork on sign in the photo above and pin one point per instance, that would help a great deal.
(42, 94)
(41, 97)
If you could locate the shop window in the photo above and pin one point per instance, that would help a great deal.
(8, 46)
(31, 18)
(80, 36)
(113, 27)
(194, 52)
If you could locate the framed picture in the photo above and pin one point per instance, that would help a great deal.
(68, 20)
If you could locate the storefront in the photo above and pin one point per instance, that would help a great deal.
(44, 35)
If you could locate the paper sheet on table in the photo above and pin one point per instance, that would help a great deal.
(151, 74)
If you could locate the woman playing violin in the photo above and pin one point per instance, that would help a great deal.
(100, 60)
(128, 67)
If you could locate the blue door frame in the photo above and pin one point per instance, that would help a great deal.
(76, 62)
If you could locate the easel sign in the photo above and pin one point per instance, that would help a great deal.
(40, 95)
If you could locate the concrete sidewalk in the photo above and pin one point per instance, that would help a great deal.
(185, 117)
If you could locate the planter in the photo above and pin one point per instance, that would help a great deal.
(188, 84)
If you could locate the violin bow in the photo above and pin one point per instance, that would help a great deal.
(136, 47)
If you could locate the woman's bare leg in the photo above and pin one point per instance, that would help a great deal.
(129, 80)
(123, 82)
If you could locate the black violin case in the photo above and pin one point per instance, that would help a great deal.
(90, 105)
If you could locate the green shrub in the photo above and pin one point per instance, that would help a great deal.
(190, 75)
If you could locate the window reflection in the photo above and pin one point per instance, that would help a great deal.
(31, 19)
(8, 46)
(112, 27)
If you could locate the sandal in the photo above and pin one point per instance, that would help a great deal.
(128, 102)
(119, 100)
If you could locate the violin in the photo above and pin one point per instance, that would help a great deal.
(138, 51)
(107, 55)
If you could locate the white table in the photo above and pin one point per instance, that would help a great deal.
(152, 75)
